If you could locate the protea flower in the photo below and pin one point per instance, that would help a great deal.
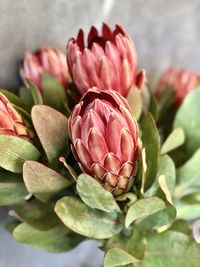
(107, 61)
(46, 59)
(104, 139)
(181, 81)
(11, 122)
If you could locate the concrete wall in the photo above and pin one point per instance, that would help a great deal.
(165, 33)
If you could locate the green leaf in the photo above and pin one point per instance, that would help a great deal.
(174, 140)
(181, 226)
(12, 98)
(143, 208)
(54, 94)
(134, 99)
(188, 118)
(14, 151)
(188, 177)
(165, 101)
(94, 195)
(162, 218)
(166, 167)
(86, 221)
(153, 107)
(12, 189)
(42, 181)
(35, 91)
(151, 143)
(57, 239)
(51, 127)
(117, 257)
(134, 243)
(38, 215)
(26, 97)
(170, 249)
(187, 211)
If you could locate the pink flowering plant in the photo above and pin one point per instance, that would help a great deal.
(88, 151)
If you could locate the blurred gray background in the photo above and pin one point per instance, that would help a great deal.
(165, 33)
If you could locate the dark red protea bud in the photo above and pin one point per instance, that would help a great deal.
(104, 139)
(107, 61)
(181, 81)
(11, 122)
(46, 59)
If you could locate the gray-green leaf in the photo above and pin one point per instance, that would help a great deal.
(12, 188)
(169, 249)
(42, 181)
(188, 118)
(118, 257)
(86, 221)
(94, 195)
(57, 239)
(15, 151)
(51, 127)
(143, 208)
(173, 141)
(151, 143)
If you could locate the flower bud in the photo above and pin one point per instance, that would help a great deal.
(107, 61)
(11, 122)
(180, 81)
(46, 59)
(104, 139)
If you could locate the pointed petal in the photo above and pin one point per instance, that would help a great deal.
(111, 162)
(112, 53)
(98, 52)
(91, 120)
(126, 77)
(74, 153)
(76, 129)
(122, 182)
(83, 154)
(72, 50)
(99, 171)
(13, 113)
(107, 74)
(76, 112)
(111, 179)
(132, 123)
(126, 145)
(6, 121)
(92, 34)
(102, 109)
(120, 45)
(126, 169)
(113, 131)
(91, 66)
(97, 145)
(131, 53)
(7, 131)
(80, 76)
(80, 39)
(140, 79)
(107, 33)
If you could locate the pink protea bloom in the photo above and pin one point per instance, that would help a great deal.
(46, 59)
(181, 81)
(11, 123)
(107, 61)
(104, 139)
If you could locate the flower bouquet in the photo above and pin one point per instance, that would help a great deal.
(88, 151)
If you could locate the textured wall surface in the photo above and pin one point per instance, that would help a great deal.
(165, 33)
